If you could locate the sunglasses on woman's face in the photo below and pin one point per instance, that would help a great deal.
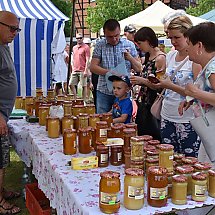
(12, 28)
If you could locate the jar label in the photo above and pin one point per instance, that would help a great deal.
(158, 193)
(109, 198)
(200, 190)
(171, 157)
(135, 192)
(104, 158)
(103, 133)
(119, 156)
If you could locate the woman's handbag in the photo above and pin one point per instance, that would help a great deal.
(157, 105)
(204, 126)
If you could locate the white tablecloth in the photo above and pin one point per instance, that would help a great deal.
(70, 191)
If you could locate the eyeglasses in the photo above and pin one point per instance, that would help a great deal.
(12, 28)
(79, 38)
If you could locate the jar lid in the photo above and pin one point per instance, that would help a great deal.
(179, 178)
(189, 160)
(134, 172)
(148, 148)
(154, 142)
(53, 118)
(178, 156)
(87, 129)
(185, 169)
(199, 176)
(131, 125)
(101, 123)
(67, 116)
(69, 130)
(44, 106)
(211, 172)
(170, 174)
(129, 130)
(165, 147)
(78, 106)
(202, 166)
(94, 115)
(82, 115)
(116, 147)
(90, 105)
(117, 126)
(157, 170)
(137, 162)
(147, 137)
(110, 174)
(152, 152)
(101, 147)
(137, 139)
(152, 160)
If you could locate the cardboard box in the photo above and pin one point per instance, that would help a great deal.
(84, 162)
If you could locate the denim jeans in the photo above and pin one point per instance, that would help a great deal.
(104, 102)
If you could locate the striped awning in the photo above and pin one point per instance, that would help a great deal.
(33, 9)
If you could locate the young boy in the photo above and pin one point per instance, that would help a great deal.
(122, 107)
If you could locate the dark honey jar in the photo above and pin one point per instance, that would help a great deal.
(127, 134)
(108, 118)
(117, 131)
(101, 131)
(69, 141)
(84, 140)
(93, 119)
(102, 152)
(116, 155)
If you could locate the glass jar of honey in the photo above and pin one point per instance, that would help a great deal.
(187, 171)
(211, 183)
(53, 127)
(18, 102)
(84, 140)
(199, 186)
(116, 131)
(38, 103)
(150, 162)
(134, 189)
(39, 93)
(202, 167)
(67, 107)
(102, 152)
(154, 142)
(179, 189)
(166, 156)
(79, 102)
(138, 164)
(28, 99)
(127, 157)
(77, 109)
(83, 120)
(43, 113)
(90, 109)
(157, 186)
(30, 109)
(101, 131)
(109, 192)
(93, 119)
(70, 97)
(127, 134)
(169, 176)
(69, 141)
(50, 94)
(189, 160)
(108, 118)
(137, 144)
(116, 155)
(67, 122)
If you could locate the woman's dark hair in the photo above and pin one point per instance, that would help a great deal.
(204, 33)
(146, 34)
(111, 25)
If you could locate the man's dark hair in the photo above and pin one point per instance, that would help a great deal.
(111, 25)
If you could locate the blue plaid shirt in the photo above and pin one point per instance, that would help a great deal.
(110, 56)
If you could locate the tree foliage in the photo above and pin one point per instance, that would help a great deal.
(115, 9)
(203, 7)
(66, 8)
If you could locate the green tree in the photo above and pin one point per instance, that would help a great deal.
(66, 8)
(106, 9)
(203, 7)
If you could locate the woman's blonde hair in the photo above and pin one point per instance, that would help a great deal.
(181, 23)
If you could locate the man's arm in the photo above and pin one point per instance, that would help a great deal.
(96, 68)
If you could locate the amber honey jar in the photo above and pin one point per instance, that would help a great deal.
(30, 109)
(50, 94)
(83, 120)
(102, 152)
(53, 127)
(189, 160)
(70, 97)
(61, 97)
(18, 102)
(199, 186)
(157, 186)
(43, 113)
(139, 164)
(79, 102)
(39, 93)
(179, 189)
(90, 109)
(154, 142)
(169, 176)
(69, 141)
(127, 134)
(108, 118)
(116, 131)
(93, 119)
(28, 99)
(127, 157)
(166, 156)
(77, 109)
(211, 183)
(67, 122)
(116, 155)
(67, 107)
(101, 131)
(134, 189)
(137, 145)
(84, 140)
(150, 162)
(187, 171)
(109, 192)
(38, 103)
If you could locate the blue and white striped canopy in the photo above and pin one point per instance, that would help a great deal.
(40, 21)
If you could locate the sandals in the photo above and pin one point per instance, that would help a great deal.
(9, 209)
(8, 195)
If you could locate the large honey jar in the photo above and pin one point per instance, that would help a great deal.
(108, 118)
(211, 183)
(101, 131)
(67, 107)
(102, 152)
(199, 186)
(179, 189)
(84, 140)
(77, 109)
(116, 155)
(93, 119)
(90, 109)
(53, 127)
(134, 189)
(43, 113)
(166, 156)
(157, 186)
(67, 122)
(137, 145)
(18, 102)
(187, 171)
(69, 141)
(109, 192)
(127, 134)
(83, 120)
(116, 130)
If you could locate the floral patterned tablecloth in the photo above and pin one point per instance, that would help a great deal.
(70, 191)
